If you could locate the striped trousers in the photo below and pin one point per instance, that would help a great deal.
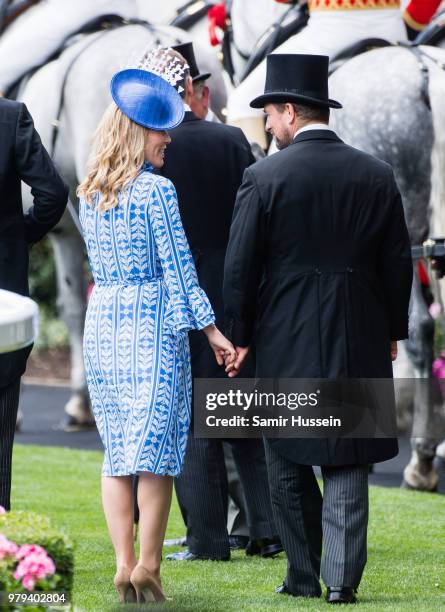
(9, 403)
(202, 491)
(308, 523)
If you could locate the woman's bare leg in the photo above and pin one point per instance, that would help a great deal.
(154, 500)
(117, 500)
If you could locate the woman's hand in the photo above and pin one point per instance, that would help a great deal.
(233, 369)
(224, 350)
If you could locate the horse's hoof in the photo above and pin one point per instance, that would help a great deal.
(420, 474)
(69, 424)
(406, 485)
(78, 415)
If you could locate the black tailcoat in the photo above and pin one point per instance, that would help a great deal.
(23, 158)
(319, 270)
(205, 162)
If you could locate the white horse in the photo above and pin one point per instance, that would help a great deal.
(386, 114)
(82, 75)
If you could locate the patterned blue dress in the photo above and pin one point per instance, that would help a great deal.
(146, 298)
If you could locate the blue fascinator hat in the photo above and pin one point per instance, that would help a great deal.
(147, 99)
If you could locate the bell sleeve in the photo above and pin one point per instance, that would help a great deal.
(243, 266)
(187, 304)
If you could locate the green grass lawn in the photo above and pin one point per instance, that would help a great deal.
(405, 571)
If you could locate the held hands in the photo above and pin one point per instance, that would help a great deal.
(234, 357)
(233, 368)
(224, 350)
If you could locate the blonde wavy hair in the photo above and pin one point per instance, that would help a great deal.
(116, 158)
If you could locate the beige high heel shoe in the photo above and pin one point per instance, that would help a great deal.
(146, 586)
(123, 585)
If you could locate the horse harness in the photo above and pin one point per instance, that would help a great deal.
(11, 9)
(190, 13)
(378, 43)
(421, 56)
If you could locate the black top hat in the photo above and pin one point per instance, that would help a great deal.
(296, 78)
(186, 50)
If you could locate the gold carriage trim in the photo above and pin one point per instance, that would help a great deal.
(348, 5)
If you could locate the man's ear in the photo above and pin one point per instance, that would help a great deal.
(290, 110)
(189, 87)
(206, 96)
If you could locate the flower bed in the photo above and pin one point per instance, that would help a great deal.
(34, 557)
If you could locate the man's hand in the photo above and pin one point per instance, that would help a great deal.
(393, 350)
(233, 369)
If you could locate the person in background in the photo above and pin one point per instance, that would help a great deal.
(206, 161)
(22, 158)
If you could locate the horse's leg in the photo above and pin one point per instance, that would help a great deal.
(69, 256)
(420, 470)
(420, 473)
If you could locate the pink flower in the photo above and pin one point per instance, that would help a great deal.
(35, 564)
(2, 510)
(27, 549)
(7, 547)
(439, 367)
(28, 582)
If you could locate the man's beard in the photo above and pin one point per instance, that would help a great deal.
(284, 142)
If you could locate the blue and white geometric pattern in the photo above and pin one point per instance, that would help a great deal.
(145, 300)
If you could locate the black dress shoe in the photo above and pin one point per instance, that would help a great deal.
(271, 547)
(266, 547)
(341, 595)
(282, 590)
(186, 555)
(238, 542)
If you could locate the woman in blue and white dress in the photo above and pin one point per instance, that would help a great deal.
(146, 298)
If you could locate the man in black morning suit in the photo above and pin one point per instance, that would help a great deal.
(22, 158)
(319, 272)
(205, 161)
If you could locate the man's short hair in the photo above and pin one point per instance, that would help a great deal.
(198, 88)
(308, 113)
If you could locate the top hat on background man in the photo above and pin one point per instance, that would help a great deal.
(298, 78)
(187, 52)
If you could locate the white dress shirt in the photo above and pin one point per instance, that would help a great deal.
(313, 126)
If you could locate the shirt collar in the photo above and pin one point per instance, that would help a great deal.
(186, 107)
(313, 126)
(210, 115)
